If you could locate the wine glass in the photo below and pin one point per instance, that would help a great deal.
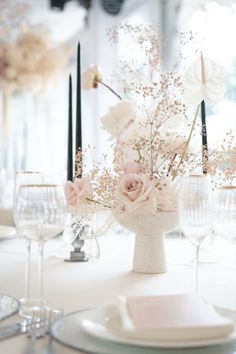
(225, 212)
(22, 178)
(40, 211)
(194, 212)
(2, 185)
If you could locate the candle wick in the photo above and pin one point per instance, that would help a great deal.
(203, 70)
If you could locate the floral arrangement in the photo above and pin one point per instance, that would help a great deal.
(30, 62)
(150, 129)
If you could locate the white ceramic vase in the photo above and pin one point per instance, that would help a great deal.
(149, 251)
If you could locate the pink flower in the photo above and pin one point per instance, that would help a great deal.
(136, 191)
(77, 192)
(130, 167)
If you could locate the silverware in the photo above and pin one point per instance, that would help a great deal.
(14, 329)
(48, 349)
(40, 322)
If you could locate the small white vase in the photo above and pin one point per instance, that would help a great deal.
(149, 252)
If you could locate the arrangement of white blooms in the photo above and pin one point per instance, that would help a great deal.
(150, 150)
(31, 61)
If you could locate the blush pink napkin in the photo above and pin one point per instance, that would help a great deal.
(172, 317)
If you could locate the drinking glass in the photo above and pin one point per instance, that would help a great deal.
(194, 212)
(40, 212)
(2, 185)
(225, 212)
(22, 178)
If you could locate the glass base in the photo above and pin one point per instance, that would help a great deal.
(30, 307)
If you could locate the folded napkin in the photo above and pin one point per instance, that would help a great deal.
(171, 317)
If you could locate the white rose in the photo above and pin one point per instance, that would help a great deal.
(119, 118)
(137, 193)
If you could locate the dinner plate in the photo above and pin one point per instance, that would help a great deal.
(8, 306)
(104, 323)
(72, 331)
(7, 232)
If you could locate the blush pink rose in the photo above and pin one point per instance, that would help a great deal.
(136, 191)
(77, 192)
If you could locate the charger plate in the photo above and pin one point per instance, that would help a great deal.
(71, 331)
(8, 306)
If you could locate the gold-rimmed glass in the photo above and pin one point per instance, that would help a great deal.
(23, 178)
(40, 211)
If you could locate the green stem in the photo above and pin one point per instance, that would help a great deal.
(139, 156)
(110, 89)
(186, 145)
(171, 164)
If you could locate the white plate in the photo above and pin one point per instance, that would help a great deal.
(7, 232)
(104, 323)
(68, 331)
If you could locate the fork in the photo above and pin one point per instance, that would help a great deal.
(40, 322)
(14, 329)
(48, 348)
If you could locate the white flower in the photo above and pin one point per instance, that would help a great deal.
(204, 80)
(137, 193)
(167, 195)
(90, 78)
(119, 118)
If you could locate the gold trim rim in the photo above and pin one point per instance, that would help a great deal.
(29, 172)
(39, 185)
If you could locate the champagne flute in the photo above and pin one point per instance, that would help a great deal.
(22, 178)
(194, 212)
(225, 212)
(40, 213)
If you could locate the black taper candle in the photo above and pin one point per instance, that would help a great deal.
(70, 136)
(78, 132)
(204, 138)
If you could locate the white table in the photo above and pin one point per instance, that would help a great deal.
(74, 286)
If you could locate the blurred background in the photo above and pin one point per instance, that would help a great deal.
(38, 46)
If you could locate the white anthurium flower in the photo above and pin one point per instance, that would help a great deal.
(204, 80)
(119, 118)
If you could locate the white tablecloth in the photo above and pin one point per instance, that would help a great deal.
(74, 286)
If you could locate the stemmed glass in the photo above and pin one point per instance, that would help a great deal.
(194, 212)
(22, 178)
(40, 212)
(225, 212)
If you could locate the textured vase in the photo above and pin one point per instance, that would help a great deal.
(149, 252)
